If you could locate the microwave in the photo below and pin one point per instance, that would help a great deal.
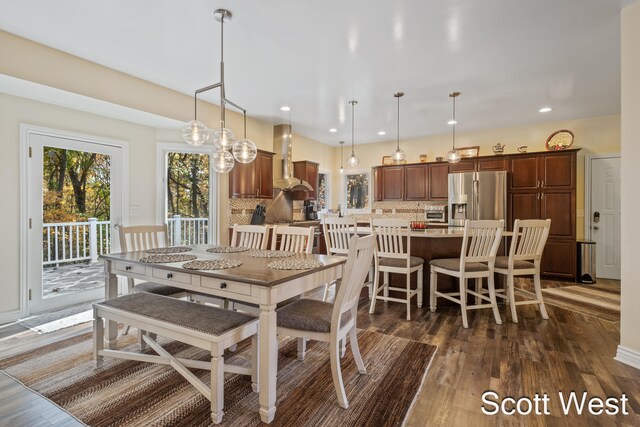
(435, 213)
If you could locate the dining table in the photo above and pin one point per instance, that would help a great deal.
(254, 281)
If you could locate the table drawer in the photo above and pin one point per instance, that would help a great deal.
(128, 267)
(227, 286)
(172, 276)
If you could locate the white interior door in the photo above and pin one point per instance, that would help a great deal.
(55, 247)
(604, 215)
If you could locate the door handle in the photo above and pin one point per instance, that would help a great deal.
(596, 216)
(595, 227)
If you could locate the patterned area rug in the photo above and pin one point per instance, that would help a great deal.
(128, 393)
(600, 299)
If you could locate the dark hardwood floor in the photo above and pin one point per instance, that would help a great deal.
(568, 352)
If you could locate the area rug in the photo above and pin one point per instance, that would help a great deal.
(599, 300)
(128, 393)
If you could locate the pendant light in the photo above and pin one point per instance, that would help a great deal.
(196, 133)
(398, 155)
(453, 156)
(341, 167)
(353, 160)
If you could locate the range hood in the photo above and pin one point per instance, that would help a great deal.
(283, 166)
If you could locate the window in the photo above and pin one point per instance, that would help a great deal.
(323, 194)
(356, 191)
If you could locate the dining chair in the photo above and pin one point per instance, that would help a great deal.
(525, 253)
(394, 256)
(480, 244)
(337, 235)
(332, 322)
(250, 236)
(292, 239)
(142, 238)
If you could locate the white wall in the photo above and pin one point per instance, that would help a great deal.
(629, 350)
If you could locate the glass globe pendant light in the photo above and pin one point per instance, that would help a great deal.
(453, 156)
(398, 155)
(244, 150)
(222, 161)
(195, 132)
(353, 160)
(341, 167)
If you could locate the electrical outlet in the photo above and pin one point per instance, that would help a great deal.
(378, 211)
(393, 211)
(134, 210)
(244, 212)
(580, 214)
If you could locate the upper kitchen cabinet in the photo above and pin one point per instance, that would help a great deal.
(253, 180)
(306, 171)
(544, 171)
(524, 173)
(492, 163)
(464, 165)
(392, 183)
(439, 181)
(415, 182)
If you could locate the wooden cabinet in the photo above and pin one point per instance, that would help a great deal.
(497, 163)
(307, 171)
(393, 183)
(415, 182)
(438, 181)
(555, 171)
(252, 180)
(465, 165)
(377, 183)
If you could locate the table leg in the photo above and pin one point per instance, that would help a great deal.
(268, 344)
(110, 292)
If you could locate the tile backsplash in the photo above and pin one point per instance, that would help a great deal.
(240, 210)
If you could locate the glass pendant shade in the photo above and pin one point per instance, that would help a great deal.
(453, 156)
(223, 138)
(353, 160)
(222, 161)
(399, 155)
(244, 151)
(195, 133)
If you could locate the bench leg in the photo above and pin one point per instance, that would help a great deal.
(217, 386)
(255, 364)
(302, 348)
(143, 343)
(98, 339)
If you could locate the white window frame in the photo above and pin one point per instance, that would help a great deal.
(327, 193)
(164, 148)
(343, 190)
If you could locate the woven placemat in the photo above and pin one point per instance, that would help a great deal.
(169, 250)
(212, 264)
(256, 253)
(227, 249)
(159, 259)
(294, 264)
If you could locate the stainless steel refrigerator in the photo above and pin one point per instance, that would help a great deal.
(477, 195)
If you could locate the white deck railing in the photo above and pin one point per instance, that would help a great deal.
(75, 241)
(64, 242)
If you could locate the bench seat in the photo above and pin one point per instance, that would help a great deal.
(210, 328)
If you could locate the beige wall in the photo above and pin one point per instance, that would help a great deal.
(597, 135)
(630, 319)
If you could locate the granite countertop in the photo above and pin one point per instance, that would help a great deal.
(439, 232)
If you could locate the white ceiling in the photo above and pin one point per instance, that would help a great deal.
(507, 57)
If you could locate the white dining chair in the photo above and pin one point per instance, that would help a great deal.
(337, 235)
(141, 238)
(332, 322)
(480, 244)
(250, 236)
(292, 239)
(525, 253)
(393, 255)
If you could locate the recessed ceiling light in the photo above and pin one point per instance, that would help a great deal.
(333, 130)
(452, 122)
(382, 133)
(544, 110)
(285, 108)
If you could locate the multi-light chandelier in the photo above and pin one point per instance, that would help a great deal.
(196, 133)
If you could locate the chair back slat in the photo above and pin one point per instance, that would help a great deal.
(529, 239)
(361, 251)
(142, 237)
(250, 236)
(338, 233)
(293, 239)
(391, 237)
(480, 241)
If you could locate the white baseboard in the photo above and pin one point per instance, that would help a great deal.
(628, 356)
(9, 316)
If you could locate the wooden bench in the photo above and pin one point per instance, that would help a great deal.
(202, 326)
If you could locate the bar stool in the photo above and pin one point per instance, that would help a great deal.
(392, 257)
(480, 244)
(527, 245)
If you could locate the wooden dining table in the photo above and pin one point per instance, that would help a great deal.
(252, 282)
